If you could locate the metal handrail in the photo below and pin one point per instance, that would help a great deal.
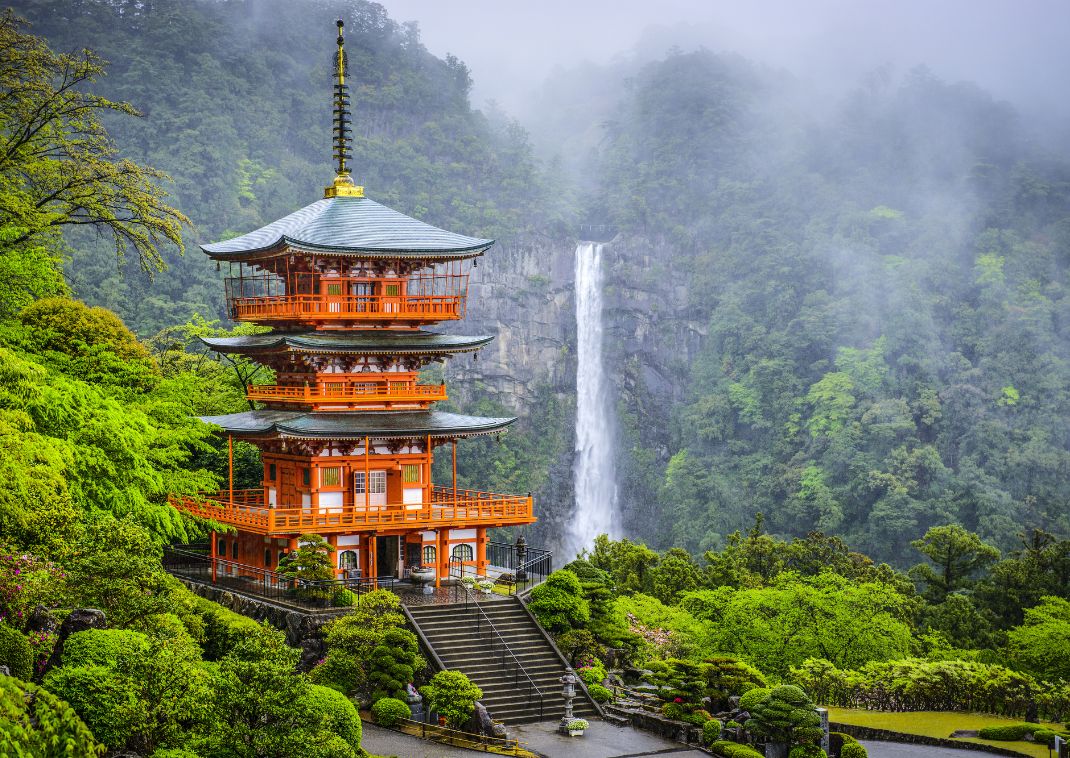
(501, 640)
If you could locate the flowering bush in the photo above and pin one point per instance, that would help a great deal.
(26, 581)
(578, 724)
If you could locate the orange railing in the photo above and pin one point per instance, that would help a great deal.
(348, 307)
(249, 513)
(353, 393)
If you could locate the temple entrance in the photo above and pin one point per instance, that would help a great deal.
(386, 556)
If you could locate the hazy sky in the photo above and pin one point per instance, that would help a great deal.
(1018, 49)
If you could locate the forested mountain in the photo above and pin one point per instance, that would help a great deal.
(850, 318)
(236, 104)
(874, 303)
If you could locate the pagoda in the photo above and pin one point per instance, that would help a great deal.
(347, 433)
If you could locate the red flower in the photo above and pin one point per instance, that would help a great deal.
(678, 700)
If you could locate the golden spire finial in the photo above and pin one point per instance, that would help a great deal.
(343, 184)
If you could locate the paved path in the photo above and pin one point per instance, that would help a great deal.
(902, 750)
(379, 741)
(602, 740)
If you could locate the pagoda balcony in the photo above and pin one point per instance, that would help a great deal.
(459, 509)
(351, 394)
(424, 309)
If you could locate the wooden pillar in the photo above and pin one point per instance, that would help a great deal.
(481, 550)
(213, 554)
(230, 465)
(441, 563)
(427, 471)
(373, 561)
(454, 473)
(332, 540)
(367, 477)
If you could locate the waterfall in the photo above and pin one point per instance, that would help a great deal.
(594, 476)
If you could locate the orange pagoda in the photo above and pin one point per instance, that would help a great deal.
(348, 433)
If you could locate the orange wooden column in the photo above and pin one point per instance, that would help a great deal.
(214, 548)
(441, 558)
(373, 561)
(481, 550)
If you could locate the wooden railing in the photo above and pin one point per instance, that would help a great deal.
(469, 508)
(411, 393)
(348, 307)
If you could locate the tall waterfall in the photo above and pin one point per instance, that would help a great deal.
(594, 477)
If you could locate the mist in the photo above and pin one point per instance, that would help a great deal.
(1016, 51)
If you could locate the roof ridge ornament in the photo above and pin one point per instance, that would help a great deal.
(343, 185)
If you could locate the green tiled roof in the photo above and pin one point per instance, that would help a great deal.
(349, 226)
(356, 424)
(366, 342)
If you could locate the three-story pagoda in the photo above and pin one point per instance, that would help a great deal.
(348, 433)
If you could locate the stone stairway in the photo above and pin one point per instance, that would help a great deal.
(464, 644)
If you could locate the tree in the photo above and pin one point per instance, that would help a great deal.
(1041, 645)
(311, 561)
(957, 557)
(38, 723)
(352, 638)
(558, 603)
(452, 695)
(58, 165)
(393, 664)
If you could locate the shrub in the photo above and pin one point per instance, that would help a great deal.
(15, 652)
(752, 697)
(711, 732)
(1008, 732)
(853, 750)
(594, 674)
(728, 749)
(175, 752)
(579, 724)
(811, 734)
(672, 711)
(450, 694)
(36, 722)
(732, 724)
(221, 629)
(393, 664)
(97, 694)
(340, 716)
(778, 716)
(599, 693)
(390, 710)
(696, 718)
(558, 603)
(101, 647)
(343, 598)
(579, 643)
(807, 751)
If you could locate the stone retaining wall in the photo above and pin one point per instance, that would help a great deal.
(886, 735)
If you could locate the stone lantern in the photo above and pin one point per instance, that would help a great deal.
(568, 690)
(521, 556)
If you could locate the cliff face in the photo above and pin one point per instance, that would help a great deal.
(523, 293)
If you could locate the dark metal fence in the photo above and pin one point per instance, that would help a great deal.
(193, 563)
(518, 566)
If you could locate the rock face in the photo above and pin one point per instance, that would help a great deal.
(303, 629)
(524, 294)
(79, 620)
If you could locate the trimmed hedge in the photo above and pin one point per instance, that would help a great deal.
(711, 732)
(853, 750)
(727, 749)
(1008, 733)
(599, 693)
(389, 710)
(807, 751)
(15, 652)
(752, 697)
(101, 647)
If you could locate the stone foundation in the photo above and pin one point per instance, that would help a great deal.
(885, 735)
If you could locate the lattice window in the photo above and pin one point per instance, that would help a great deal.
(463, 553)
(331, 476)
(410, 473)
(429, 555)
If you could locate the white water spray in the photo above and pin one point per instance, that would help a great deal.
(595, 476)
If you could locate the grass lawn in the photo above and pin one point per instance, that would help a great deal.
(938, 724)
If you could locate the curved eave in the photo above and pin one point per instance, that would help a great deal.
(295, 343)
(285, 246)
(356, 425)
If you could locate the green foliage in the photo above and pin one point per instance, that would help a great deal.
(599, 693)
(387, 711)
(1007, 733)
(853, 750)
(956, 555)
(450, 694)
(393, 664)
(102, 647)
(727, 749)
(312, 561)
(217, 629)
(593, 674)
(340, 715)
(15, 653)
(352, 638)
(781, 714)
(37, 723)
(558, 603)
(578, 644)
(807, 751)
(751, 698)
(711, 732)
(630, 564)
(59, 166)
(1041, 645)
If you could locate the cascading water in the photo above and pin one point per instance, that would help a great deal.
(594, 476)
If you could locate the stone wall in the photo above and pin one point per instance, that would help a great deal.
(885, 735)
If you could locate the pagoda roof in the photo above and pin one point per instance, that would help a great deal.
(354, 226)
(366, 342)
(356, 424)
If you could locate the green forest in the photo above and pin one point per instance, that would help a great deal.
(853, 481)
